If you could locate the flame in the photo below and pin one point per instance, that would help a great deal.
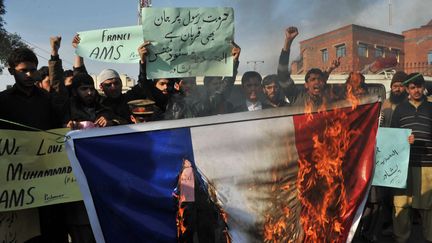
(224, 216)
(320, 182)
(318, 103)
(181, 228)
(278, 225)
(351, 97)
(308, 110)
(181, 198)
(354, 89)
(187, 229)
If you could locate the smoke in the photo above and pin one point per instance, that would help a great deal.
(260, 25)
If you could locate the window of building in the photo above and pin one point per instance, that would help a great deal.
(324, 55)
(341, 50)
(362, 50)
(430, 57)
(379, 51)
(395, 53)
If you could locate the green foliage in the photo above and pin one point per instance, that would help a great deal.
(2, 12)
(8, 41)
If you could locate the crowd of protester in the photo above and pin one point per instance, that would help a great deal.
(52, 98)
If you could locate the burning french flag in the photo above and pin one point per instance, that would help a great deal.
(264, 176)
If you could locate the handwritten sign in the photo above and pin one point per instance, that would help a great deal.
(392, 157)
(188, 42)
(34, 170)
(118, 45)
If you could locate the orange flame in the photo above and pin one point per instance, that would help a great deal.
(224, 216)
(278, 225)
(308, 110)
(181, 198)
(181, 228)
(354, 89)
(318, 106)
(320, 183)
(351, 97)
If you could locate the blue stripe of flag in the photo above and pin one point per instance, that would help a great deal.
(131, 179)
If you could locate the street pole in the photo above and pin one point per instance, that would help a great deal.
(143, 4)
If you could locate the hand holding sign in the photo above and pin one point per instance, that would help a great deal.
(411, 139)
(235, 51)
(142, 51)
(75, 41)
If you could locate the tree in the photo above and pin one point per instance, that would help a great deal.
(8, 41)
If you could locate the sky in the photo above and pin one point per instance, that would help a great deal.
(259, 24)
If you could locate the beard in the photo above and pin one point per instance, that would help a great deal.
(398, 98)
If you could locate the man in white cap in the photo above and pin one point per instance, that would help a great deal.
(111, 85)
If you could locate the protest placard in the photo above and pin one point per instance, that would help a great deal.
(188, 42)
(117, 45)
(35, 170)
(392, 157)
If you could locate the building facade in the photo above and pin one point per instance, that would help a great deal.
(418, 49)
(362, 48)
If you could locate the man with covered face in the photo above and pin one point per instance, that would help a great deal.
(159, 90)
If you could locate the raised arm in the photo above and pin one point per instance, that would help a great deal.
(142, 89)
(55, 68)
(290, 34)
(335, 64)
(143, 51)
(228, 82)
(285, 81)
(78, 66)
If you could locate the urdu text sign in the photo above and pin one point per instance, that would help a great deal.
(392, 157)
(188, 42)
